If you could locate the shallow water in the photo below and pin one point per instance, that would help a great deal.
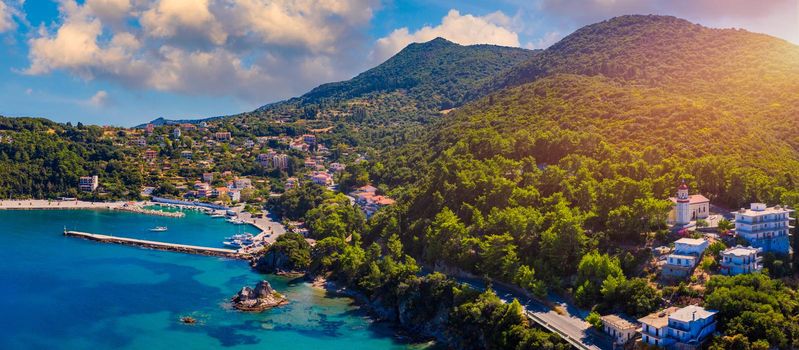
(68, 293)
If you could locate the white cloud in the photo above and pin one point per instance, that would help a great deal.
(256, 50)
(110, 11)
(466, 29)
(314, 24)
(100, 99)
(7, 13)
(171, 18)
(545, 41)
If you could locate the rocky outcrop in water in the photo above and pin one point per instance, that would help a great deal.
(259, 299)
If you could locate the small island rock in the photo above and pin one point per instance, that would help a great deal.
(259, 299)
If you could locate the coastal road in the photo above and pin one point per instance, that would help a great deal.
(568, 324)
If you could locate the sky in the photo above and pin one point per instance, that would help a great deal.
(125, 62)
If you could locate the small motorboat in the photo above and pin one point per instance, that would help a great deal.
(235, 221)
(217, 216)
(241, 236)
(158, 229)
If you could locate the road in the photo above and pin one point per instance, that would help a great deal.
(570, 325)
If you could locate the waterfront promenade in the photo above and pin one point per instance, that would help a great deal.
(270, 229)
(57, 204)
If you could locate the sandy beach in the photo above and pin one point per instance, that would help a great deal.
(56, 204)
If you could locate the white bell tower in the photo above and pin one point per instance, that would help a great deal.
(683, 208)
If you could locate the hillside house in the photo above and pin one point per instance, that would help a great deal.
(686, 255)
(740, 260)
(620, 329)
(678, 328)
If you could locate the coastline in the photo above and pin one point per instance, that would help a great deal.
(43, 204)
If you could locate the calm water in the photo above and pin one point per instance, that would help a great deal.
(68, 293)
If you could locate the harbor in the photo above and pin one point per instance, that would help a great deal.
(174, 247)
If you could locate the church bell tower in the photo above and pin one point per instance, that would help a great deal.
(683, 205)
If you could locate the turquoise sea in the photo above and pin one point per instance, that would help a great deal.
(60, 292)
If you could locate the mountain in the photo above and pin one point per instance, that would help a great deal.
(415, 84)
(436, 74)
(578, 149)
(662, 51)
(683, 91)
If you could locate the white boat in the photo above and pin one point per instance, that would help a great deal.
(235, 221)
(237, 243)
(242, 236)
(158, 229)
(217, 216)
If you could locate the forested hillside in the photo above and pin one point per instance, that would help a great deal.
(43, 159)
(574, 156)
(389, 104)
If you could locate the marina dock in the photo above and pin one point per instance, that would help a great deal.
(173, 247)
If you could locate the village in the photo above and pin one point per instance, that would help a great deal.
(711, 241)
(204, 164)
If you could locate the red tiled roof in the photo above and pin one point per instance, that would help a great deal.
(693, 199)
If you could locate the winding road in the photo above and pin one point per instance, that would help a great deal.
(569, 325)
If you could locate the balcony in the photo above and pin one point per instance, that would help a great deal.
(761, 221)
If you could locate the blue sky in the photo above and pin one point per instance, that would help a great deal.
(124, 62)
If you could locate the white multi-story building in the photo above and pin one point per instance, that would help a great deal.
(740, 260)
(280, 161)
(678, 328)
(88, 183)
(682, 261)
(765, 227)
(176, 133)
(619, 328)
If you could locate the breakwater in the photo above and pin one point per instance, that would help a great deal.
(181, 248)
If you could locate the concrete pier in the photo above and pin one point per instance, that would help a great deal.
(174, 247)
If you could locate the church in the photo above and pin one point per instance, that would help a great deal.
(687, 207)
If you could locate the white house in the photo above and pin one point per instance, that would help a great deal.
(322, 178)
(765, 227)
(337, 167)
(242, 183)
(619, 328)
(691, 245)
(292, 182)
(678, 328)
(687, 207)
(739, 260)
(176, 133)
(682, 261)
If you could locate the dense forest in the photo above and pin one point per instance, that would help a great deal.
(382, 274)
(559, 181)
(43, 159)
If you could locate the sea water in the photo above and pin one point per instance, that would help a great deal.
(60, 292)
